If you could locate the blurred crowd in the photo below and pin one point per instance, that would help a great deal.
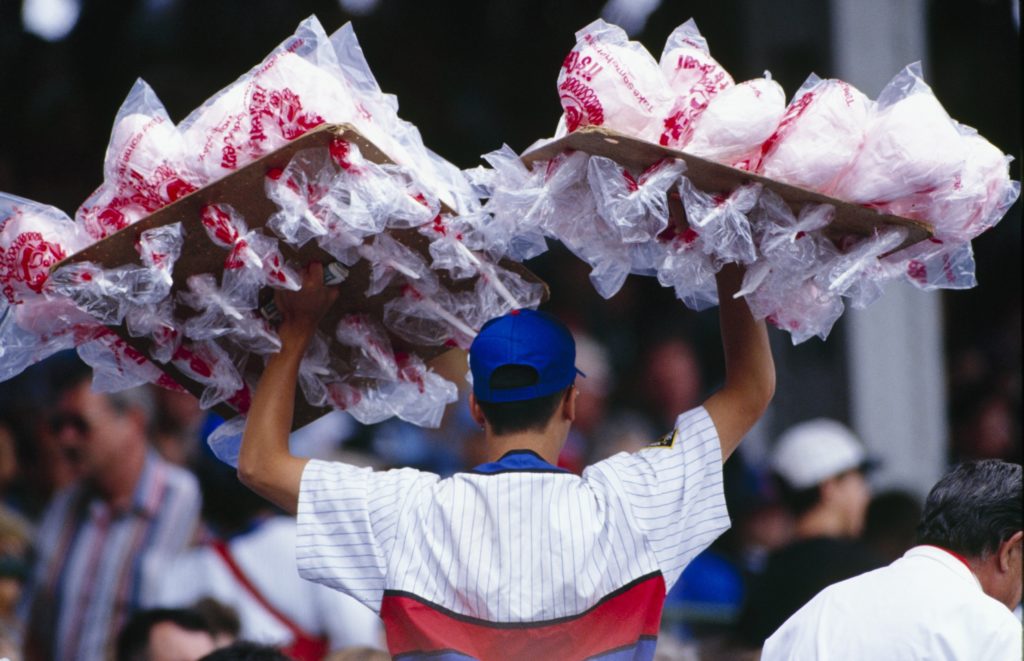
(118, 526)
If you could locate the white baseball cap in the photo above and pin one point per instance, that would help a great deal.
(810, 452)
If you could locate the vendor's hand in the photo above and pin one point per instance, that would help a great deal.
(302, 310)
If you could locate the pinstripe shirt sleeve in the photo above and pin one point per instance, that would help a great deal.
(348, 521)
(673, 490)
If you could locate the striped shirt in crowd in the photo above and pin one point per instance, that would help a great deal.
(90, 559)
(518, 557)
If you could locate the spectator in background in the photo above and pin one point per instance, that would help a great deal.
(890, 528)
(15, 537)
(127, 505)
(672, 379)
(820, 467)
(950, 597)
(165, 634)
(250, 567)
(179, 421)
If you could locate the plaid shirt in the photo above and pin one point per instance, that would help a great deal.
(90, 560)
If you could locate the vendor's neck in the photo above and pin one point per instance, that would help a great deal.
(547, 444)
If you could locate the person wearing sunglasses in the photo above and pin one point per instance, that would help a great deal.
(96, 536)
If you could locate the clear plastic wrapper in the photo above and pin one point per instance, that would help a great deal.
(694, 77)
(226, 440)
(421, 395)
(144, 168)
(788, 242)
(375, 358)
(520, 206)
(858, 274)
(390, 260)
(911, 145)
(448, 252)
(300, 195)
(780, 286)
(400, 384)
(316, 371)
(499, 290)
(819, 135)
(936, 264)
(635, 207)
(349, 215)
(157, 323)
(608, 80)
(688, 268)
(211, 366)
(582, 230)
(438, 319)
(108, 294)
(102, 293)
(222, 313)
(117, 365)
(34, 330)
(721, 221)
(795, 303)
(737, 121)
(253, 260)
(159, 249)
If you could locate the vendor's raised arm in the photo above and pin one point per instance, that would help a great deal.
(749, 368)
(265, 464)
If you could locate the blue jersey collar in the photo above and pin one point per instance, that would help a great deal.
(520, 461)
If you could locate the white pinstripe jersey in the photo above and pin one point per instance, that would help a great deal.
(517, 556)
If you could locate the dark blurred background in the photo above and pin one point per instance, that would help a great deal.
(473, 75)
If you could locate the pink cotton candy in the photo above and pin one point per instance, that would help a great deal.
(819, 136)
(144, 169)
(694, 78)
(737, 121)
(279, 101)
(911, 146)
(974, 200)
(33, 237)
(608, 80)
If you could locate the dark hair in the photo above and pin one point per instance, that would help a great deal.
(797, 501)
(890, 525)
(246, 651)
(974, 508)
(525, 415)
(133, 640)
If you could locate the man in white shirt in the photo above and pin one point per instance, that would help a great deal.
(948, 598)
(516, 558)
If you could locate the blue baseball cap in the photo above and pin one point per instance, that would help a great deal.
(523, 337)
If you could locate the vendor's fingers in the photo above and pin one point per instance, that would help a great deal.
(313, 275)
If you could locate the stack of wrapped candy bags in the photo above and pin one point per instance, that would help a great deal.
(209, 327)
(900, 154)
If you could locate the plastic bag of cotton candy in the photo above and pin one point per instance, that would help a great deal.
(308, 80)
(144, 168)
(711, 115)
(608, 80)
(34, 322)
(917, 162)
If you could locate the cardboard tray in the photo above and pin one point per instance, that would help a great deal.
(711, 176)
(244, 190)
